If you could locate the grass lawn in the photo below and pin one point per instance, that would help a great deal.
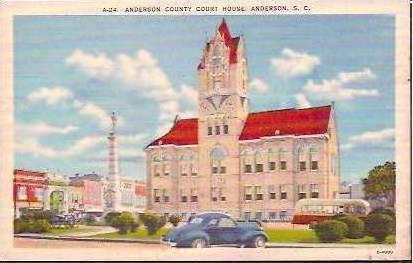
(140, 233)
(63, 231)
(275, 235)
(291, 235)
(309, 236)
(68, 231)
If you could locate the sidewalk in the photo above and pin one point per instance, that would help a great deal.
(92, 230)
(146, 241)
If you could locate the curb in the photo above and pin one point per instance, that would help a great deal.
(145, 241)
(117, 240)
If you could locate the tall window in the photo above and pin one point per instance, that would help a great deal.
(248, 192)
(283, 159)
(301, 159)
(209, 130)
(301, 191)
(302, 166)
(259, 162)
(214, 194)
(225, 128)
(194, 195)
(156, 195)
(22, 193)
(222, 196)
(166, 169)
(165, 196)
(314, 190)
(156, 170)
(218, 156)
(258, 193)
(283, 165)
(314, 158)
(283, 192)
(217, 130)
(184, 196)
(183, 170)
(247, 160)
(271, 192)
(271, 160)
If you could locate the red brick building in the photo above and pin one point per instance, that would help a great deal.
(28, 189)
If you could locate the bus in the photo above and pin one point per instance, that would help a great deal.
(311, 211)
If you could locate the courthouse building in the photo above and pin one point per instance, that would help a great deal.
(253, 165)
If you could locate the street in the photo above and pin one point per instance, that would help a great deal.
(138, 251)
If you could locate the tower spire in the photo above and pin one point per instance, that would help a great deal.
(112, 193)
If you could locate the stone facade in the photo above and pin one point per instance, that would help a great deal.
(250, 165)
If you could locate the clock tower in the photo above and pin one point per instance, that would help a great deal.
(223, 109)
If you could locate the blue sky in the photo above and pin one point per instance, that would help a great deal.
(72, 71)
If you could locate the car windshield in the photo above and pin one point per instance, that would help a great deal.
(195, 220)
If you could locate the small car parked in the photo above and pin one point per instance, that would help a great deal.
(209, 229)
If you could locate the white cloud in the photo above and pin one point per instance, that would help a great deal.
(163, 129)
(141, 73)
(342, 87)
(189, 94)
(302, 101)
(31, 145)
(131, 139)
(381, 137)
(41, 128)
(258, 85)
(92, 110)
(374, 136)
(51, 96)
(293, 63)
(97, 65)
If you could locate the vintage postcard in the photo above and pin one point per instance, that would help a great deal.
(210, 130)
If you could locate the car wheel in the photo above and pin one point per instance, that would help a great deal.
(199, 243)
(258, 242)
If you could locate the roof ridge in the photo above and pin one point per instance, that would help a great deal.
(289, 109)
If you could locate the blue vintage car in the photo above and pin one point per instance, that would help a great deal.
(209, 229)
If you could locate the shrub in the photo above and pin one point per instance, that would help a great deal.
(36, 215)
(152, 222)
(379, 226)
(331, 230)
(89, 219)
(110, 216)
(124, 222)
(20, 226)
(355, 226)
(174, 220)
(384, 211)
(31, 226)
(134, 225)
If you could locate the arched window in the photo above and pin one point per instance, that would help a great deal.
(283, 159)
(259, 162)
(218, 153)
(271, 159)
(218, 156)
(301, 159)
(314, 158)
(247, 160)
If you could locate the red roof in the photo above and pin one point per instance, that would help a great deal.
(184, 132)
(286, 122)
(259, 124)
(29, 173)
(231, 42)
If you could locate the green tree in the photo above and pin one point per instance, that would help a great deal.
(381, 183)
